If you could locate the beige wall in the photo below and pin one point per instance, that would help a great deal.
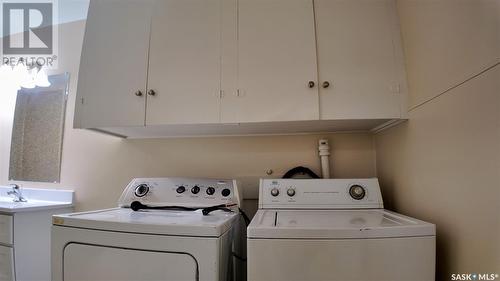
(443, 165)
(98, 166)
(447, 42)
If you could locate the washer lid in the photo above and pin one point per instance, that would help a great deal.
(166, 222)
(344, 224)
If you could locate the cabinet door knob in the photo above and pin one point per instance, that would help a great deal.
(138, 93)
(151, 93)
(326, 84)
(311, 84)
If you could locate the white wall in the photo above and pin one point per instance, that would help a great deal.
(443, 165)
(98, 166)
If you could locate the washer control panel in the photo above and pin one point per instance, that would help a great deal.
(180, 191)
(319, 194)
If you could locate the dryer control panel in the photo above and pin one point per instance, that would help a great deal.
(320, 194)
(180, 192)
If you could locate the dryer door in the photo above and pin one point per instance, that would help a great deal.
(91, 262)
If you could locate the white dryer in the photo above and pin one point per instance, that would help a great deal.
(335, 229)
(173, 243)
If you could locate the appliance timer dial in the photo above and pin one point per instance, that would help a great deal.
(141, 190)
(357, 192)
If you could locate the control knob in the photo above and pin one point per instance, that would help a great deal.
(195, 189)
(275, 192)
(225, 192)
(290, 192)
(210, 190)
(141, 190)
(357, 192)
(181, 189)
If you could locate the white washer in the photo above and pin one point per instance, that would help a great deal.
(122, 244)
(335, 229)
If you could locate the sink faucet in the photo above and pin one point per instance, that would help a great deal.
(16, 191)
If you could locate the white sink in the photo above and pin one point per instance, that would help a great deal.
(37, 199)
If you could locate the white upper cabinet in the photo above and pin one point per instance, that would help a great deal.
(276, 62)
(153, 68)
(184, 63)
(229, 61)
(113, 67)
(358, 56)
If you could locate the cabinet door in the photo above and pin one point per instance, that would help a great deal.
(6, 229)
(184, 62)
(356, 56)
(6, 264)
(229, 61)
(113, 64)
(276, 61)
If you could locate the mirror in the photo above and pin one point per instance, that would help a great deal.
(37, 132)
